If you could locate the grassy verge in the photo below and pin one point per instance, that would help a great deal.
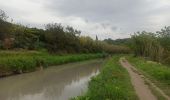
(20, 62)
(157, 73)
(154, 91)
(113, 83)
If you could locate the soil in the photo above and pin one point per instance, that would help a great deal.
(137, 80)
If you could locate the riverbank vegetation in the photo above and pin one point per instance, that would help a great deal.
(158, 73)
(44, 47)
(55, 38)
(153, 46)
(152, 56)
(26, 61)
(113, 83)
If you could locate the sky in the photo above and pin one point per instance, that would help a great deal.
(104, 18)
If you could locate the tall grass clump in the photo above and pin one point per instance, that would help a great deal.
(146, 44)
(153, 46)
(113, 83)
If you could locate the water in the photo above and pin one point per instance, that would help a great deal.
(54, 83)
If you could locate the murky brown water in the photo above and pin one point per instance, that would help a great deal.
(55, 83)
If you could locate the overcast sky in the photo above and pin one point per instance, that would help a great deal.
(105, 18)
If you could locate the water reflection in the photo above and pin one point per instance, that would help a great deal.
(55, 83)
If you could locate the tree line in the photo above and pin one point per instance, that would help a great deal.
(153, 46)
(56, 38)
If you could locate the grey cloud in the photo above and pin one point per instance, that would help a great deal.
(130, 15)
(117, 17)
(99, 10)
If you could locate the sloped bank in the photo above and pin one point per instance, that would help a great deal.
(113, 83)
(23, 62)
(157, 73)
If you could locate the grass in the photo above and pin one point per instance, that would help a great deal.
(158, 73)
(113, 83)
(26, 61)
(158, 95)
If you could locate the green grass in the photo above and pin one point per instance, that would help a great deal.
(158, 73)
(26, 61)
(113, 83)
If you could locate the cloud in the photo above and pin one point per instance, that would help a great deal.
(105, 18)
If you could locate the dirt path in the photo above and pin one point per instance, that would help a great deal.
(142, 90)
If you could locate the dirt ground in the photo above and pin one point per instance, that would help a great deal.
(142, 90)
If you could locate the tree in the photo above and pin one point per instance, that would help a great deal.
(62, 39)
(164, 37)
(3, 15)
(5, 27)
(56, 38)
(97, 38)
(146, 44)
(124, 42)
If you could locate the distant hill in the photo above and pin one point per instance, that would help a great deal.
(125, 41)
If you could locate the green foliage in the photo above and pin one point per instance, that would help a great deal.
(56, 38)
(155, 71)
(89, 45)
(123, 42)
(113, 83)
(59, 38)
(164, 37)
(26, 61)
(153, 46)
(28, 38)
(147, 45)
(5, 29)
